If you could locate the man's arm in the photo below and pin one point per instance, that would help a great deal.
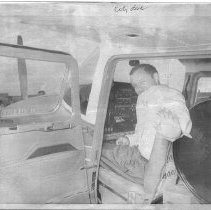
(154, 166)
(168, 130)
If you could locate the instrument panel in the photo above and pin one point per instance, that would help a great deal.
(121, 113)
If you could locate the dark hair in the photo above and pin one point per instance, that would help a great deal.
(149, 69)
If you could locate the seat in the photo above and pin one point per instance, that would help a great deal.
(116, 186)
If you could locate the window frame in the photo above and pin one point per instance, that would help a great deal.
(30, 53)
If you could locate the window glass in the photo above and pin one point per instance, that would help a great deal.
(203, 89)
(204, 84)
(30, 86)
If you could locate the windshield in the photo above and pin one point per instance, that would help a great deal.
(203, 89)
(204, 84)
(28, 85)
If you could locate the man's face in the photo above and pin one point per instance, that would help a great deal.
(142, 81)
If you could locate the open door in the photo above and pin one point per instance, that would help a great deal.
(42, 155)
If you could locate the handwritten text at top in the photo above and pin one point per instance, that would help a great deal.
(128, 9)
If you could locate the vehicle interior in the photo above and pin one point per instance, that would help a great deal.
(190, 76)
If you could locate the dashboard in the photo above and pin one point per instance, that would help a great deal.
(121, 113)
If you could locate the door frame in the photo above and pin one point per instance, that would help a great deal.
(106, 87)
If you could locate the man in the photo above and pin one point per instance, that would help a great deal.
(162, 117)
(156, 104)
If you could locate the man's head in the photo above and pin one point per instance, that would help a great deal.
(143, 76)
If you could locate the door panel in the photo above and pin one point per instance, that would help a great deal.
(42, 167)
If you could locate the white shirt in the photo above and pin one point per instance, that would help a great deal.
(149, 103)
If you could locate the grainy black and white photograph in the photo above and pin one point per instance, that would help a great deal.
(105, 105)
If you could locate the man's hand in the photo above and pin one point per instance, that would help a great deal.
(169, 127)
(123, 140)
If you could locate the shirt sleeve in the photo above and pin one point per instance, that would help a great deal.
(176, 104)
